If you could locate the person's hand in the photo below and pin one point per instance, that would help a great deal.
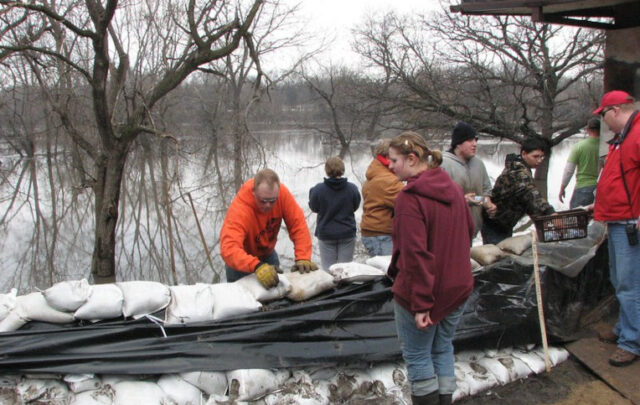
(304, 266)
(423, 320)
(470, 199)
(561, 195)
(589, 208)
(267, 275)
(490, 207)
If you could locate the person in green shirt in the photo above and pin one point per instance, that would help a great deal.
(584, 156)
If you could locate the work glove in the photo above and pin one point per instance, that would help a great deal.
(267, 275)
(304, 266)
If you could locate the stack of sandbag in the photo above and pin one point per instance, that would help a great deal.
(485, 255)
(353, 272)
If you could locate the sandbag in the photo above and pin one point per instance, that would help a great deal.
(249, 384)
(103, 396)
(475, 265)
(516, 244)
(476, 377)
(392, 375)
(487, 254)
(190, 303)
(300, 389)
(531, 359)
(210, 382)
(354, 272)
(138, 393)
(35, 307)
(496, 368)
(7, 303)
(180, 391)
(78, 383)
(307, 285)
(231, 299)
(260, 293)
(52, 392)
(143, 297)
(379, 262)
(104, 302)
(13, 321)
(67, 296)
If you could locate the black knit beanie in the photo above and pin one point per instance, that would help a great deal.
(462, 132)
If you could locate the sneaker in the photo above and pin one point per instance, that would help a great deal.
(621, 358)
(607, 336)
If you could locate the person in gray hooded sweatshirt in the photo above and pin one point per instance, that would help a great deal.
(461, 163)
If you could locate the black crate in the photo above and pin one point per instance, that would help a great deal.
(563, 225)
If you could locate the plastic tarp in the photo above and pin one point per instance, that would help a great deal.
(351, 323)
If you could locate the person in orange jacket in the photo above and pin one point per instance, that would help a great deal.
(250, 230)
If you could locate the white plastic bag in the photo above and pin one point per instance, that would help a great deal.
(7, 303)
(250, 384)
(353, 272)
(138, 393)
(379, 262)
(35, 307)
(307, 285)
(211, 382)
(67, 296)
(143, 297)
(231, 299)
(190, 303)
(260, 293)
(180, 391)
(104, 302)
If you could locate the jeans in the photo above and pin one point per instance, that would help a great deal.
(336, 251)
(493, 235)
(624, 271)
(428, 353)
(378, 245)
(582, 196)
(235, 275)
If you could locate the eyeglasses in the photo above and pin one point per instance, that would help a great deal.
(605, 111)
(267, 200)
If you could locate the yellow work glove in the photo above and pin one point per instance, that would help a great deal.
(267, 275)
(304, 266)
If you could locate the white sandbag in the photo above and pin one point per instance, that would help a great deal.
(531, 359)
(307, 285)
(104, 302)
(379, 262)
(475, 265)
(35, 307)
(469, 355)
(211, 382)
(180, 391)
(143, 297)
(477, 377)
(231, 299)
(516, 244)
(103, 396)
(190, 303)
(67, 296)
(138, 393)
(7, 303)
(299, 389)
(516, 367)
(250, 384)
(496, 368)
(78, 383)
(392, 375)
(487, 254)
(14, 321)
(353, 272)
(556, 354)
(52, 392)
(260, 293)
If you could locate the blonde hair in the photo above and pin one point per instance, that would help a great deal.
(411, 142)
(266, 176)
(334, 167)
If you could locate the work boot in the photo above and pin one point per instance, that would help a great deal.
(429, 399)
(446, 399)
(607, 336)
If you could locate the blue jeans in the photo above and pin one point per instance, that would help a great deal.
(235, 275)
(582, 196)
(624, 271)
(336, 251)
(378, 245)
(428, 353)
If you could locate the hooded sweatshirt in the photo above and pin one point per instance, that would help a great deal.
(378, 194)
(248, 235)
(335, 200)
(432, 231)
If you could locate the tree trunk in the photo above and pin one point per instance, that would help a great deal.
(109, 168)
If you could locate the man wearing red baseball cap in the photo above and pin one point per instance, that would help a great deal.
(618, 204)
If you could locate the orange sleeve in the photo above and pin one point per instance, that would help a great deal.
(296, 225)
(235, 230)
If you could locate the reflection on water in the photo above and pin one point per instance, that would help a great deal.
(36, 247)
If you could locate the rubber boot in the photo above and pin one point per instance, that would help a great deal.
(446, 399)
(429, 399)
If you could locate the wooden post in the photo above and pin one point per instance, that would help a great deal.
(204, 242)
(536, 275)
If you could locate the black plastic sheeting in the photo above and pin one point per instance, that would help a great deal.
(350, 323)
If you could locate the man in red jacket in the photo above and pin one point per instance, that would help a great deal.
(618, 204)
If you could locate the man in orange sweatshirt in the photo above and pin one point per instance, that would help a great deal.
(251, 226)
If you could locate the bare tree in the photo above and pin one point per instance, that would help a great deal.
(509, 77)
(130, 56)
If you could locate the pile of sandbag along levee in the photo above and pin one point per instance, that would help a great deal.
(383, 382)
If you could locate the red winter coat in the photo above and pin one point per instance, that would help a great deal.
(432, 231)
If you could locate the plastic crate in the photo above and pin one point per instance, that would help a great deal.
(563, 225)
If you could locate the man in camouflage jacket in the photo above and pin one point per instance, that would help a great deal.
(515, 194)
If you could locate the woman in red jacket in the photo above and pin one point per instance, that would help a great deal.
(430, 266)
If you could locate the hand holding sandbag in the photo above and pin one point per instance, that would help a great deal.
(304, 266)
(267, 275)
